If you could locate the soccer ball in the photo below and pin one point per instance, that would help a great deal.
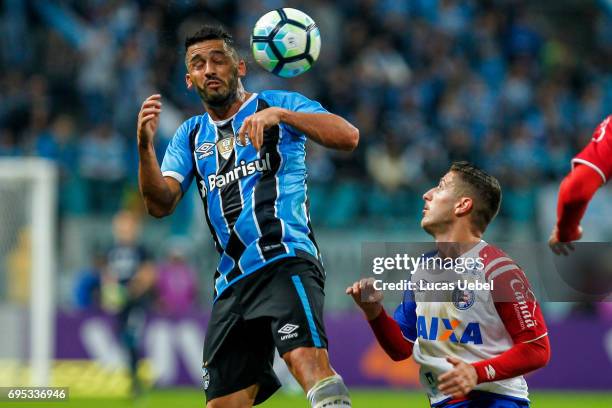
(286, 42)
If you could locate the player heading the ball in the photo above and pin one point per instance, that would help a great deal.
(246, 153)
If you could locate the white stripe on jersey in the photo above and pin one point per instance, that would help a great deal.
(537, 338)
(175, 175)
(501, 270)
(591, 165)
(495, 262)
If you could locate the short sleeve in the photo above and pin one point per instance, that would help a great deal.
(293, 101)
(178, 162)
(405, 316)
(300, 103)
(598, 153)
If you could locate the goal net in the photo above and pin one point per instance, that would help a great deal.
(28, 211)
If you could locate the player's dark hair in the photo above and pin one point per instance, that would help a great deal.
(210, 32)
(484, 190)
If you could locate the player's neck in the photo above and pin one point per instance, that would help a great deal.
(456, 240)
(228, 110)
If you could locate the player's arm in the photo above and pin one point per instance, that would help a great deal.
(387, 331)
(160, 194)
(591, 168)
(326, 129)
(524, 323)
(576, 191)
(523, 357)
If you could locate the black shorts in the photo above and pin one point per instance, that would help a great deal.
(279, 306)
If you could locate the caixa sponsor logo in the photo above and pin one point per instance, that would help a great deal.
(443, 329)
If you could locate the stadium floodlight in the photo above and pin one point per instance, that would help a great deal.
(28, 211)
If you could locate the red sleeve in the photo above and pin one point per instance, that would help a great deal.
(390, 338)
(598, 152)
(518, 360)
(519, 311)
(575, 192)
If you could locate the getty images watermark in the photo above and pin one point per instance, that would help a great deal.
(469, 273)
(584, 275)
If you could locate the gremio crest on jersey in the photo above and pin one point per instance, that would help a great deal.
(225, 146)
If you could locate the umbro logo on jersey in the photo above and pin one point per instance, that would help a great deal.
(490, 372)
(288, 331)
(205, 150)
(225, 147)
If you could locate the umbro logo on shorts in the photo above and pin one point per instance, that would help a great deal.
(288, 331)
(288, 328)
(205, 378)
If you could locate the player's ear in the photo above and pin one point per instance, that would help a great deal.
(188, 81)
(242, 68)
(463, 206)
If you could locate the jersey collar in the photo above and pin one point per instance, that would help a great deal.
(222, 122)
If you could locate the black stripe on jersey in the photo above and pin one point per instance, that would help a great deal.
(234, 249)
(231, 199)
(192, 147)
(270, 242)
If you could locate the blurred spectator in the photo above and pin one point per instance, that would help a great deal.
(176, 280)
(8, 143)
(97, 76)
(87, 287)
(102, 166)
(59, 143)
(387, 163)
(128, 281)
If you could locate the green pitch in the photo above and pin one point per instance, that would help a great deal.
(361, 399)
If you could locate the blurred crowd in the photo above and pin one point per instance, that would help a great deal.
(513, 86)
(126, 277)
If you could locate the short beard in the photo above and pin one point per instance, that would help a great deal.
(219, 101)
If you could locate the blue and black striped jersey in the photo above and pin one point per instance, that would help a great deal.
(255, 202)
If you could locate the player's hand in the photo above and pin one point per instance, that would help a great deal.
(459, 381)
(148, 119)
(366, 297)
(253, 126)
(559, 247)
